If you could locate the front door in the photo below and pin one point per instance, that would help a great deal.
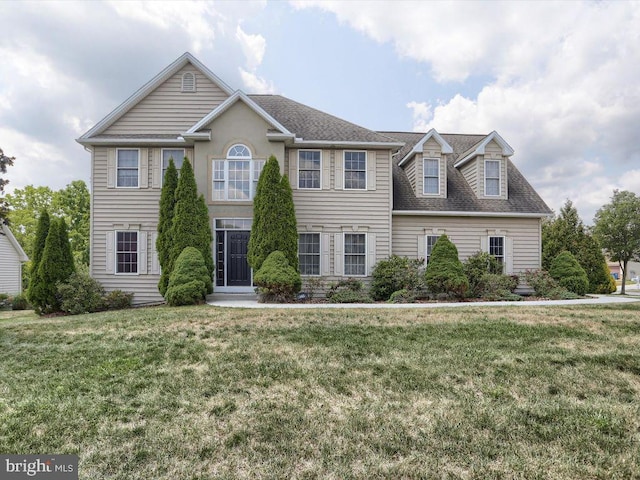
(238, 270)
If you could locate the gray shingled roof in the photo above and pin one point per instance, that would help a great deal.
(313, 125)
(522, 198)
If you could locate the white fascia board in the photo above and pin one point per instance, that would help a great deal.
(224, 106)
(280, 137)
(435, 213)
(345, 144)
(152, 85)
(418, 148)
(12, 240)
(131, 141)
(507, 151)
(197, 136)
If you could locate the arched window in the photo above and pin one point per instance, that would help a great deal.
(239, 151)
(188, 82)
(236, 178)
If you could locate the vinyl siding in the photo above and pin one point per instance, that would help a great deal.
(168, 110)
(10, 267)
(333, 211)
(467, 233)
(410, 170)
(470, 173)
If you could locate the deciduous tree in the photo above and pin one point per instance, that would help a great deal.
(5, 161)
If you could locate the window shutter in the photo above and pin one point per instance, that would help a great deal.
(326, 169)
(509, 255)
(142, 253)
(155, 262)
(339, 163)
(422, 240)
(324, 261)
(371, 252)
(144, 168)
(338, 258)
(110, 260)
(188, 152)
(111, 168)
(293, 168)
(484, 243)
(156, 168)
(371, 170)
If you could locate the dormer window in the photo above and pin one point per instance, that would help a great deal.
(431, 169)
(188, 82)
(492, 178)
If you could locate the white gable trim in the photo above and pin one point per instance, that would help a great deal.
(507, 151)
(446, 148)
(12, 240)
(224, 106)
(146, 89)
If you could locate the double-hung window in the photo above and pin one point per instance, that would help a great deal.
(497, 249)
(309, 253)
(355, 170)
(176, 154)
(355, 254)
(236, 178)
(492, 178)
(431, 241)
(309, 168)
(127, 167)
(431, 170)
(127, 252)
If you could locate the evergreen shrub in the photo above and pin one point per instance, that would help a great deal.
(349, 290)
(445, 273)
(476, 266)
(81, 294)
(277, 281)
(395, 273)
(188, 280)
(19, 302)
(118, 300)
(566, 270)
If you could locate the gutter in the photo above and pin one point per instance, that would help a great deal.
(436, 213)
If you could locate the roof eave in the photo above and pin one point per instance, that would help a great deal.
(418, 148)
(346, 144)
(445, 213)
(478, 149)
(131, 141)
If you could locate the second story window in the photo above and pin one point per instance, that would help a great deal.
(355, 170)
(431, 170)
(492, 178)
(176, 154)
(127, 166)
(309, 167)
(236, 178)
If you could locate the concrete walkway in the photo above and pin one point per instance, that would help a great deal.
(250, 301)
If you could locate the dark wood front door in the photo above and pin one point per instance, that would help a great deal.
(238, 271)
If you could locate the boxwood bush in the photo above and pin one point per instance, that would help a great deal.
(393, 274)
(277, 281)
(189, 281)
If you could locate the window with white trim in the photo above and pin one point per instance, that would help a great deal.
(177, 154)
(497, 249)
(126, 252)
(430, 243)
(309, 168)
(355, 254)
(236, 178)
(127, 167)
(355, 170)
(431, 175)
(309, 253)
(492, 178)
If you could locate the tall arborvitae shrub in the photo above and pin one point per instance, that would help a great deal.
(34, 291)
(445, 273)
(55, 266)
(165, 222)
(190, 226)
(274, 218)
(266, 215)
(566, 270)
(189, 279)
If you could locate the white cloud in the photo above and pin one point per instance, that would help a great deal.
(253, 47)
(255, 84)
(422, 115)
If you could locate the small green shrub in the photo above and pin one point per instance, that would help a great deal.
(312, 286)
(445, 273)
(541, 282)
(277, 281)
(5, 300)
(393, 274)
(566, 270)
(118, 300)
(476, 266)
(403, 296)
(490, 284)
(189, 281)
(80, 294)
(19, 302)
(351, 296)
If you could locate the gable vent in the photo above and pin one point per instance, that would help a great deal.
(188, 82)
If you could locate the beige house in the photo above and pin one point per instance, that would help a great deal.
(360, 195)
(12, 257)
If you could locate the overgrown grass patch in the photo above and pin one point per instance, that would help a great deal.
(200, 392)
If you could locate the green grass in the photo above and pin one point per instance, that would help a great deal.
(201, 393)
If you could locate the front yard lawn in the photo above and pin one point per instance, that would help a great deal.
(202, 393)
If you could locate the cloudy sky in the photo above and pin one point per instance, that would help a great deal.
(560, 81)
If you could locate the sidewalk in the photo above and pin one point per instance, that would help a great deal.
(250, 301)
